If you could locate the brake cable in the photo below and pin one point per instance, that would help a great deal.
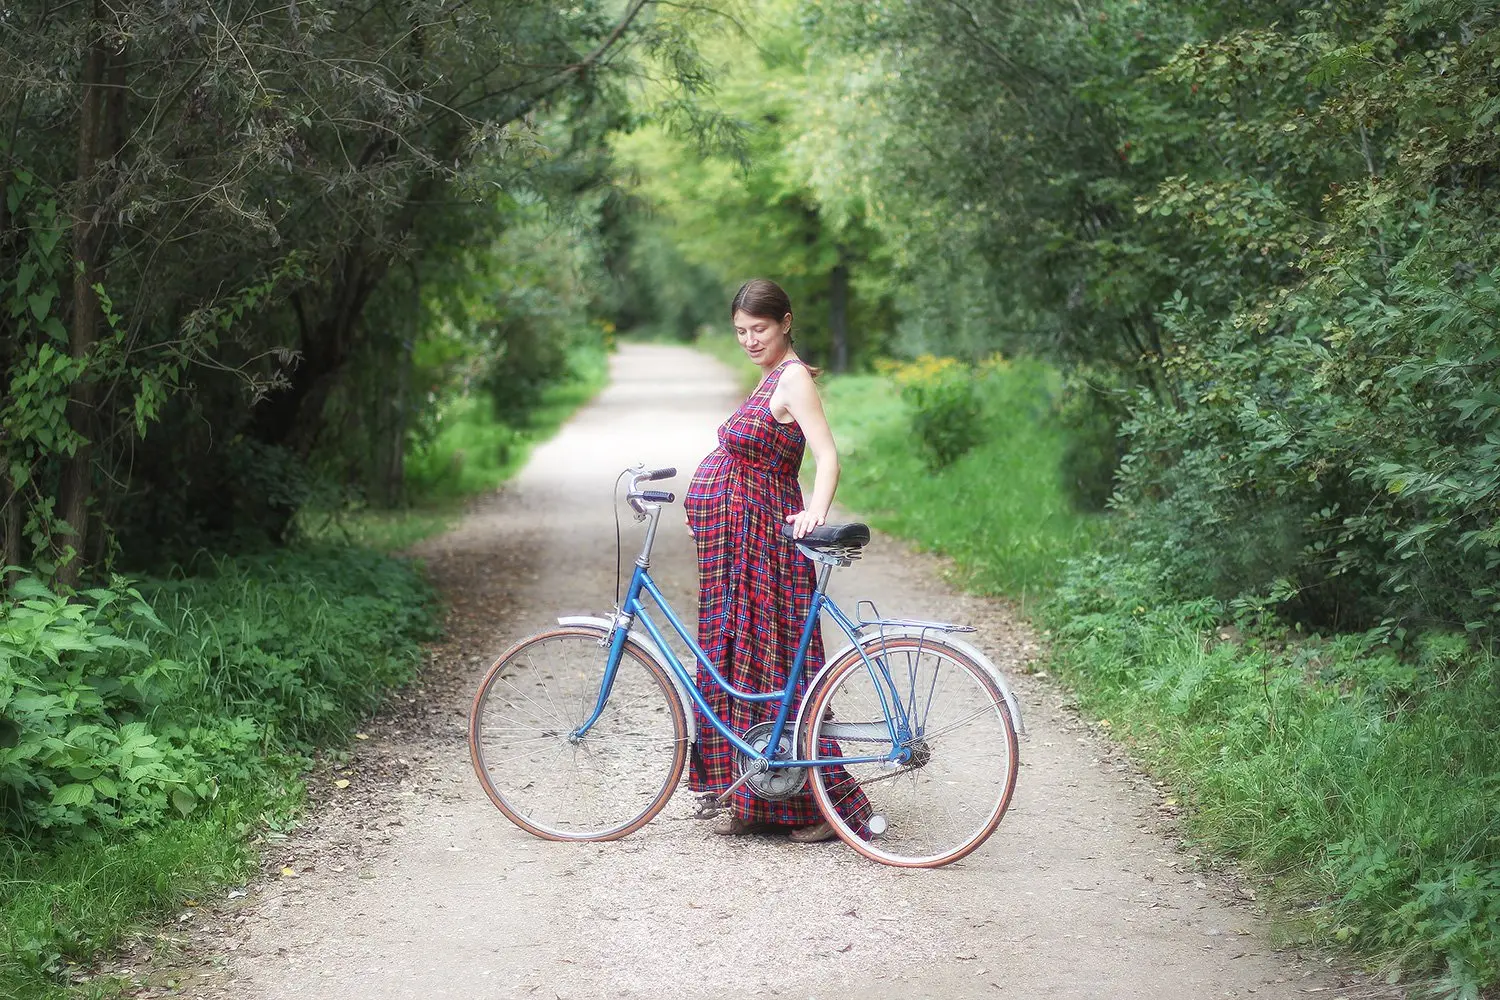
(619, 556)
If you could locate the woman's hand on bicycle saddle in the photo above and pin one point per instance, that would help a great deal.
(804, 521)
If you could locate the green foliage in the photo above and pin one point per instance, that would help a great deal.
(1361, 771)
(1092, 408)
(1000, 510)
(469, 452)
(148, 732)
(473, 448)
(1360, 463)
(1336, 430)
(72, 672)
(380, 529)
(170, 301)
(60, 905)
(990, 137)
(943, 398)
(125, 706)
(704, 217)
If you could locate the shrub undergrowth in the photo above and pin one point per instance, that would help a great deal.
(998, 507)
(482, 437)
(147, 730)
(473, 446)
(1357, 772)
(1364, 770)
(942, 397)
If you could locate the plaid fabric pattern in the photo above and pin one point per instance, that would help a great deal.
(755, 591)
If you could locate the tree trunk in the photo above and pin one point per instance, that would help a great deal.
(838, 313)
(395, 472)
(100, 128)
(293, 417)
(10, 524)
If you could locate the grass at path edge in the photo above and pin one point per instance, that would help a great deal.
(473, 453)
(1352, 777)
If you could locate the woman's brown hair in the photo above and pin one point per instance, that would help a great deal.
(764, 299)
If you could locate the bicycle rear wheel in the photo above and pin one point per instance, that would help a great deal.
(951, 792)
(601, 786)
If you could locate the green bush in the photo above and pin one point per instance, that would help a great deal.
(1092, 409)
(149, 731)
(530, 357)
(468, 453)
(79, 682)
(1363, 463)
(946, 418)
(1000, 509)
(476, 440)
(127, 705)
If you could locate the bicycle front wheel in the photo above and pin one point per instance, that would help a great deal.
(957, 742)
(545, 777)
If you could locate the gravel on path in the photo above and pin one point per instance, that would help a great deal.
(409, 883)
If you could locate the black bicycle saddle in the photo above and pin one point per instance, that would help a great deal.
(844, 536)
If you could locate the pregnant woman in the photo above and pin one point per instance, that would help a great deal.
(755, 587)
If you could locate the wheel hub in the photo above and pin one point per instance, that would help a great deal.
(921, 754)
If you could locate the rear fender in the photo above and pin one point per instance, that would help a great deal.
(948, 639)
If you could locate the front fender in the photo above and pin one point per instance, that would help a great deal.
(648, 647)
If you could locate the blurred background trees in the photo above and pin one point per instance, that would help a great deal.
(250, 254)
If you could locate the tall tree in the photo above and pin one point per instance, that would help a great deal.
(279, 161)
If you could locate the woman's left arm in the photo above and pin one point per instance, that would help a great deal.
(800, 396)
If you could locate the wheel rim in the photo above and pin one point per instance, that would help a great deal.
(602, 786)
(953, 789)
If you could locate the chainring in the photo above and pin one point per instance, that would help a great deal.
(776, 783)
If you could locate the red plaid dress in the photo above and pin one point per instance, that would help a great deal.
(755, 591)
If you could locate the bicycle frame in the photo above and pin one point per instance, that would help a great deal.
(897, 722)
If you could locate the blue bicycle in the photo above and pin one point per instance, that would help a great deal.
(581, 732)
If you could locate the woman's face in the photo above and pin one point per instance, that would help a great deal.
(765, 340)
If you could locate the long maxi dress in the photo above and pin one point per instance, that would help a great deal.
(755, 591)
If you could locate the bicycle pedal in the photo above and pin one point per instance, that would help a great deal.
(708, 807)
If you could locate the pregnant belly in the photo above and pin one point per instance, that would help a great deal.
(708, 492)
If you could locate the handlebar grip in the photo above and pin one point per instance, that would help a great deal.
(653, 475)
(657, 496)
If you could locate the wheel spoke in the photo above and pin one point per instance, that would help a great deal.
(601, 785)
(948, 796)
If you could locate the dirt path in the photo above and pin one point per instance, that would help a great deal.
(408, 883)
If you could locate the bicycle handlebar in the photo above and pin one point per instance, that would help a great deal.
(636, 496)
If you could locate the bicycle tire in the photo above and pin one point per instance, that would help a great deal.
(942, 780)
(603, 786)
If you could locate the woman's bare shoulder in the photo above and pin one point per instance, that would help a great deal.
(797, 376)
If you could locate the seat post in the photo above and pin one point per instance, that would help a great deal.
(824, 572)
